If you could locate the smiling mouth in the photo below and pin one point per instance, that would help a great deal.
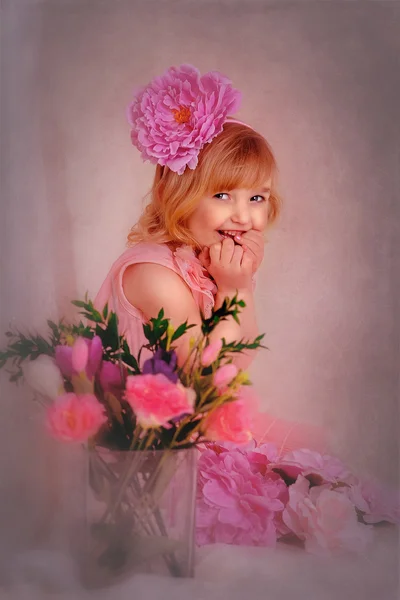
(229, 234)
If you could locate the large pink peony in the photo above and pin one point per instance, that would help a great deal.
(378, 502)
(236, 503)
(155, 400)
(176, 114)
(318, 468)
(75, 418)
(325, 519)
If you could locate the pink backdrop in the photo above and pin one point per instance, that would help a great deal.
(321, 82)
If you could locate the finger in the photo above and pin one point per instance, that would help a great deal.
(254, 239)
(228, 247)
(215, 252)
(250, 247)
(247, 260)
(237, 256)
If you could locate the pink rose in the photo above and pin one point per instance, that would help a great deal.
(325, 519)
(211, 353)
(231, 422)
(176, 114)
(224, 375)
(75, 417)
(155, 400)
(234, 504)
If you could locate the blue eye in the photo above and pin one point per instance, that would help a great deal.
(261, 199)
(220, 194)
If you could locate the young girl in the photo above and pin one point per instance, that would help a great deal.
(201, 237)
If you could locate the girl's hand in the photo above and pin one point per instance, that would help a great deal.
(230, 265)
(253, 241)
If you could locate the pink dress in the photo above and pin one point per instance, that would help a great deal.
(285, 434)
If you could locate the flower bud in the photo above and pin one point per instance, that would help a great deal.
(43, 376)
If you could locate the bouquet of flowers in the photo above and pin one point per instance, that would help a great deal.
(140, 422)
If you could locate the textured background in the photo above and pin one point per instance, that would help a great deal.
(321, 82)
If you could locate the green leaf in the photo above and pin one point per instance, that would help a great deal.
(105, 311)
(179, 331)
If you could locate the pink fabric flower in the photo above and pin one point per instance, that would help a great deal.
(234, 504)
(175, 115)
(325, 519)
(314, 466)
(211, 353)
(377, 501)
(224, 375)
(155, 400)
(75, 418)
(197, 278)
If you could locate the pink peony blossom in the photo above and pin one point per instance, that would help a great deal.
(175, 115)
(75, 417)
(325, 519)
(197, 278)
(211, 353)
(224, 375)
(377, 501)
(314, 466)
(236, 505)
(155, 400)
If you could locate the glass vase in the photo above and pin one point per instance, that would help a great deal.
(139, 514)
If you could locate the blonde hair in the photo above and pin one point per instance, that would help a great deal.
(238, 157)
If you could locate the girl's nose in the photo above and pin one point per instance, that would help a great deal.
(241, 213)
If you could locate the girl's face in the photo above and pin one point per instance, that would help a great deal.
(227, 213)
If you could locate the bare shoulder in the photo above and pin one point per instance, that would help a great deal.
(151, 286)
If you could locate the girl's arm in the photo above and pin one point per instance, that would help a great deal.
(150, 287)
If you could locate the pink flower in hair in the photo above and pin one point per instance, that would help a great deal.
(176, 114)
(75, 418)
